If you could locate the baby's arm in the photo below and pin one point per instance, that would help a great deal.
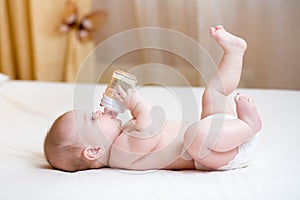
(140, 135)
(140, 109)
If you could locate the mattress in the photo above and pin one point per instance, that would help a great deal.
(28, 108)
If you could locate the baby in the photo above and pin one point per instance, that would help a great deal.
(218, 141)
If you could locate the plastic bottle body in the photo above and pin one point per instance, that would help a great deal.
(126, 81)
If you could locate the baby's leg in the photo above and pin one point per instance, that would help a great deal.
(227, 76)
(233, 133)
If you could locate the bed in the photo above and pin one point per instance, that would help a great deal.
(28, 108)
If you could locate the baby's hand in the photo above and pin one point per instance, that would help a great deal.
(123, 96)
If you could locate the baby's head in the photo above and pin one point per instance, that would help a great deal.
(78, 140)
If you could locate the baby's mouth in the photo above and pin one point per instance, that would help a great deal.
(112, 114)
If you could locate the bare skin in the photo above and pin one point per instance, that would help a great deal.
(212, 154)
(234, 132)
(149, 142)
(246, 111)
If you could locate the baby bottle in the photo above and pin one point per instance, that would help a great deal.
(126, 81)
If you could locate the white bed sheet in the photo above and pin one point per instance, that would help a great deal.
(28, 108)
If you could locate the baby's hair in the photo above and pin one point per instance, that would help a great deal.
(62, 147)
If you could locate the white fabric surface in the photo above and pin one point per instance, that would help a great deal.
(28, 109)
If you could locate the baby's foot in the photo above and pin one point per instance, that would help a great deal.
(229, 43)
(246, 111)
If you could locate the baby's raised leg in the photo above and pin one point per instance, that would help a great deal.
(227, 76)
(217, 151)
(236, 132)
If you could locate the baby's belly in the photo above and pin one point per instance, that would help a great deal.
(167, 154)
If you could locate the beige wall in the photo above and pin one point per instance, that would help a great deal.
(271, 29)
(31, 47)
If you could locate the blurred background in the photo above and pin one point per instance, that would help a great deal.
(49, 40)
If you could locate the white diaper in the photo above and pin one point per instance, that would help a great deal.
(242, 158)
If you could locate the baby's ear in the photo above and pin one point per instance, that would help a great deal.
(93, 153)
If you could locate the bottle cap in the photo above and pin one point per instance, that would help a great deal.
(112, 104)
